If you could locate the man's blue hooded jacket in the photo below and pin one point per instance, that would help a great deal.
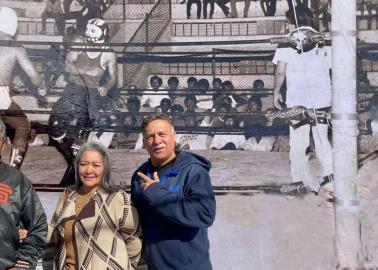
(175, 214)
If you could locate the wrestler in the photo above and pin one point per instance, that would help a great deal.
(86, 91)
(10, 111)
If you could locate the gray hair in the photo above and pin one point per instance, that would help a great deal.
(106, 178)
(3, 130)
(150, 118)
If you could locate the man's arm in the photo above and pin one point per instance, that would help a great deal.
(279, 78)
(112, 69)
(27, 66)
(33, 219)
(239, 98)
(194, 208)
(110, 60)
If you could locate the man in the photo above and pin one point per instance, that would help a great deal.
(87, 88)
(268, 7)
(19, 204)
(174, 91)
(205, 4)
(152, 98)
(75, 9)
(189, 7)
(204, 100)
(54, 9)
(10, 111)
(174, 197)
(307, 71)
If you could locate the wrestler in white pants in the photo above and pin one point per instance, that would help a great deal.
(299, 141)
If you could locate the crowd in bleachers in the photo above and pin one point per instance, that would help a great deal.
(217, 117)
(208, 115)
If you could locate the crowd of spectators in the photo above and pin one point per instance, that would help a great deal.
(216, 117)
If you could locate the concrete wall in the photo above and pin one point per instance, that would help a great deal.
(251, 230)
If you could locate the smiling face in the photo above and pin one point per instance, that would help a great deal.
(159, 140)
(91, 170)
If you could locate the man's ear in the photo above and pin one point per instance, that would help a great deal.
(144, 143)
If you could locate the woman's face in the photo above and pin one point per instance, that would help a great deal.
(91, 170)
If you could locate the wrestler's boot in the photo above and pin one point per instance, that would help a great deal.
(71, 150)
(327, 184)
(69, 175)
(17, 157)
(296, 189)
(327, 179)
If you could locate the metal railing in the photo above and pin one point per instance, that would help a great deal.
(228, 28)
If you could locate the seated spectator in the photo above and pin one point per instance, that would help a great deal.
(255, 125)
(54, 9)
(191, 109)
(165, 106)
(152, 98)
(133, 105)
(131, 122)
(173, 84)
(280, 127)
(217, 87)
(225, 141)
(228, 88)
(228, 141)
(99, 134)
(129, 137)
(204, 100)
(193, 140)
(258, 85)
(192, 84)
(190, 103)
(177, 115)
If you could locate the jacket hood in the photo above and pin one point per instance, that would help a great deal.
(183, 159)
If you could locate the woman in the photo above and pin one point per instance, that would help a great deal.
(94, 225)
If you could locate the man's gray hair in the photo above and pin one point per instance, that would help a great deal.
(106, 178)
(151, 118)
(3, 130)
